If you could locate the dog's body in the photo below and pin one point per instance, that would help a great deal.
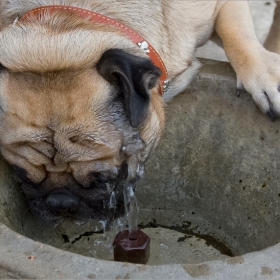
(80, 110)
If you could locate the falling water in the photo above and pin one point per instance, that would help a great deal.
(131, 209)
(102, 246)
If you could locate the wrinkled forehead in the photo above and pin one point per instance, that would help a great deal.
(49, 68)
(55, 97)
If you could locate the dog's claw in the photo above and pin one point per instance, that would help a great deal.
(238, 92)
(271, 116)
(239, 89)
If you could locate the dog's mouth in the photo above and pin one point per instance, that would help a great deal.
(103, 202)
(62, 204)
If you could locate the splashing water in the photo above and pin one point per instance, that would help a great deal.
(111, 226)
(102, 245)
(99, 245)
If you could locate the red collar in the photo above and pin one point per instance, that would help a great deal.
(98, 18)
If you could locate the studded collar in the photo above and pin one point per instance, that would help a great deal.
(99, 18)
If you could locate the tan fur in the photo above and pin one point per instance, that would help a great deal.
(257, 69)
(48, 114)
(39, 120)
(56, 110)
(63, 35)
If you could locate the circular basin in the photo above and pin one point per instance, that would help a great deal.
(214, 176)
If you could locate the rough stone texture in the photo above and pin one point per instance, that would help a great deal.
(173, 247)
(23, 258)
(214, 172)
(12, 202)
(217, 168)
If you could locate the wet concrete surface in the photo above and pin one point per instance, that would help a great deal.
(168, 246)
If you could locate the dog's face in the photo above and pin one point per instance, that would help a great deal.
(75, 130)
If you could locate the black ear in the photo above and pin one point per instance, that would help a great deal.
(134, 76)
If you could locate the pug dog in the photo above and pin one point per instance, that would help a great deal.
(82, 103)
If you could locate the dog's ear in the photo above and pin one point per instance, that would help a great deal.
(134, 76)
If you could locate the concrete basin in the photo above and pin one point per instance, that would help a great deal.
(215, 173)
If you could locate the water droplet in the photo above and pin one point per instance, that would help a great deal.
(109, 187)
(113, 201)
(140, 170)
(79, 223)
(103, 223)
(164, 245)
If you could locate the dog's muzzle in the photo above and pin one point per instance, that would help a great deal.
(103, 200)
(64, 204)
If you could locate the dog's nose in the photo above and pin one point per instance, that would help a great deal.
(63, 204)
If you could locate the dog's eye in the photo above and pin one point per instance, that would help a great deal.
(2, 67)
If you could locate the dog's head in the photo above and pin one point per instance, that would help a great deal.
(79, 115)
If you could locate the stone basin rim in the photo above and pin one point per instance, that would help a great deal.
(32, 259)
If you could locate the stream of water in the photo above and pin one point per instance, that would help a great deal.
(101, 246)
(131, 210)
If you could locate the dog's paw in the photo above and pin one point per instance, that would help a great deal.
(261, 78)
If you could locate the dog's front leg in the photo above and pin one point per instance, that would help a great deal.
(258, 70)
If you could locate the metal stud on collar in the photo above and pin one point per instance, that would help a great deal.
(165, 85)
(144, 46)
